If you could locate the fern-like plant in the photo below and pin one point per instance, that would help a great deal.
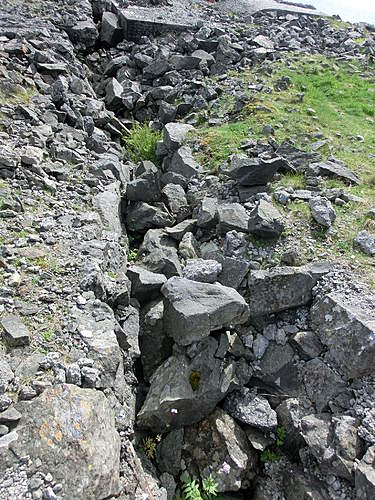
(191, 489)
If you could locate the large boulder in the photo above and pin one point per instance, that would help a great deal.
(265, 221)
(348, 331)
(232, 216)
(192, 310)
(365, 241)
(219, 447)
(146, 184)
(333, 169)
(145, 284)
(281, 288)
(253, 171)
(365, 476)
(141, 216)
(184, 391)
(175, 135)
(68, 430)
(183, 163)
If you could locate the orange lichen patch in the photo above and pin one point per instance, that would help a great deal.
(49, 442)
(58, 436)
(86, 408)
(77, 426)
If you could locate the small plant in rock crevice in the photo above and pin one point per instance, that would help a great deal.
(140, 144)
(194, 379)
(192, 490)
(149, 445)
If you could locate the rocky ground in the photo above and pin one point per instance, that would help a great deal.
(148, 333)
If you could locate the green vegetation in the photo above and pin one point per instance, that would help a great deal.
(195, 379)
(132, 255)
(149, 446)
(326, 100)
(280, 435)
(140, 144)
(16, 94)
(192, 490)
(269, 456)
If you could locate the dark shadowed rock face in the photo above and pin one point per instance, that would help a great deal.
(68, 429)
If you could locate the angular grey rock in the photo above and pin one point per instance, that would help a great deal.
(348, 331)
(232, 216)
(113, 97)
(289, 414)
(156, 68)
(158, 253)
(175, 198)
(277, 370)
(219, 447)
(333, 441)
(141, 216)
(208, 213)
(188, 247)
(192, 310)
(175, 135)
(128, 333)
(333, 169)
(110, 30)
(183, 163)
(204, 271)
(249, 408)
(204, 57)
(146, 185)
(168, 455)
(178, 231)
(322, 384)
(6, 375)
(263, 41)
(365, 241)
(281, 288)
(79, 425)
(265, 221)
(179, 62)
(183, 391)
(155, 345)
(253, 171)
(365, 476)
(234, 272)
(235, 244)
(15, 332)
(307, 344)
(322, 211)
(145, 284)
(84, 34)
(107, 204)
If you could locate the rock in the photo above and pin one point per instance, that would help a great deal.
(188, 247)
(145, 284)
(333, 441)
(84, 34)
(183, 391)
(158, 253)
(141, 216)
(110, 31)
(192, 310)
(322, 211)
(307, 344)
(168, 456)
(6, 375)
(10, 416)
(156, 68)
(333, 169)
(77, 425)
(298, 484)
(179, 62)
(253, 171)
(146, 185)
(277, 370)
(365, 241)
(113, 97)
(232, 216)
(235, 244)
(282, 288)
(175, 199)
(263, 41)
(15, 332)
(96, 326)
(154, 344)
(265, 221)
(178, 231)
(348, 331)
(204, 271)
(208, 213)
(175, 134)
(182, 161)
(107, 205)
(289, 414)
(322, 383)
(204, 57)
(251, 409)
(365, 476)
(219, 447)
(127, 335)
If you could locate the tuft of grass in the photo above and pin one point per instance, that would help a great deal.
(16, 95)
(140, 144)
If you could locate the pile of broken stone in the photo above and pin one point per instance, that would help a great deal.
(200, 339)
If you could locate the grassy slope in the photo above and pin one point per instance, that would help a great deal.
(342, 95)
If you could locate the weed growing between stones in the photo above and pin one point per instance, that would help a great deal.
(194, 379)
(192, 490)
(140, 144)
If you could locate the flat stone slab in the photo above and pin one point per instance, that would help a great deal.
(254, 6)
(15, 332)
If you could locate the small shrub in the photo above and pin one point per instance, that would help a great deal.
(149, 446)
(269, 456)
(280, 436)
(140, 144)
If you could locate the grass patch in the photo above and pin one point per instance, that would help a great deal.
(15, 94)
(328, 100)
(140, 144)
